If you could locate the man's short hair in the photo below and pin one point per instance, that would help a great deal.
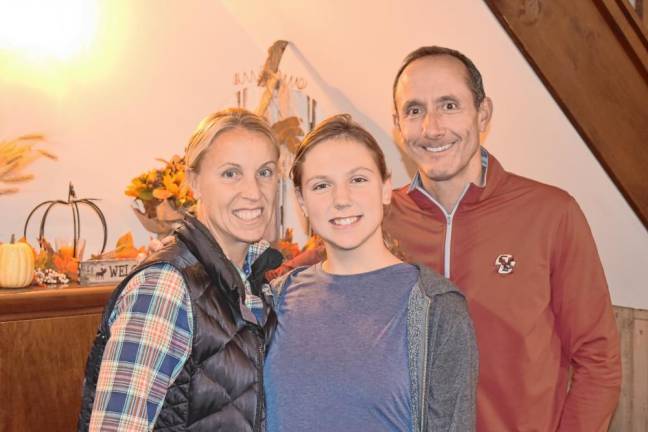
(474, 76)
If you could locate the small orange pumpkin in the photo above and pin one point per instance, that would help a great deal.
(16, 265)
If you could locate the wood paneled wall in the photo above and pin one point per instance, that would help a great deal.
(45, 338)
(632, 412)
(41, 371)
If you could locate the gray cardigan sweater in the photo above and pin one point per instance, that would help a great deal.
(443, 359)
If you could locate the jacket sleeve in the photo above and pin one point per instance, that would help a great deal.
(586, 326)
(453, 367)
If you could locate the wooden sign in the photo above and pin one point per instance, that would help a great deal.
(104, 271)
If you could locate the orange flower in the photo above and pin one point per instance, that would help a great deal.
(171, 184)
(162, 194)
(152, 176)
(135, 187)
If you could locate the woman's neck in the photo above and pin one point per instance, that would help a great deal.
(234, 251)
(237, 256)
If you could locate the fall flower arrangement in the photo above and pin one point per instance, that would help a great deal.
(162, 184)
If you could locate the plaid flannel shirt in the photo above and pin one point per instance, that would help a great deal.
(151, 335)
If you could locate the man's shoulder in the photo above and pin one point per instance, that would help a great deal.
(534, 191)
(401, 192)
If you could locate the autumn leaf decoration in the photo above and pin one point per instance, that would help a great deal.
(15, 156)
(125, 249)
(288, 248)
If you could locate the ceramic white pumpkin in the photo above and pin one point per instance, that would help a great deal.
(16, 265)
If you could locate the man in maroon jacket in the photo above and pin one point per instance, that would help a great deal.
(520, 250)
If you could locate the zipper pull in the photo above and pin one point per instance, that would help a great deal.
(262, 349)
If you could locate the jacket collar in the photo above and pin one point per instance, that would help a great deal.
(493, 176)
(222, 272)
(204, 247)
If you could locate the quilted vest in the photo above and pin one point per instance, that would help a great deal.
(220, 387)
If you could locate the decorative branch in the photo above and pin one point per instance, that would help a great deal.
(269, 77)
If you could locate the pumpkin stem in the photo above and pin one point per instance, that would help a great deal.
(13, 238)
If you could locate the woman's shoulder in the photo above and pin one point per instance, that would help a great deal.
(156, 289)
(279, 284)
(156, 279)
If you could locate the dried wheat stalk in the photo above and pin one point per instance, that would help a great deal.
(15, 156)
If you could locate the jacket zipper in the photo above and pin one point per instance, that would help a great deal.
(424, 386)
(261, 398)
(447, 242)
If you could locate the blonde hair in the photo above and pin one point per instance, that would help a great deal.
(217, 123)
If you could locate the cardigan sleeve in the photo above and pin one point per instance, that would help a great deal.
(454, 366)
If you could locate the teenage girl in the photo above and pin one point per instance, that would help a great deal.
(365, 341)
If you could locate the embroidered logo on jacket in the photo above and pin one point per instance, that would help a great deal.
(505, 263)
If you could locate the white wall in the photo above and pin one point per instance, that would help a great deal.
(155, 68)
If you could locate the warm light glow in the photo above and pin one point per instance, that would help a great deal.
(42, 29)
(53, 46)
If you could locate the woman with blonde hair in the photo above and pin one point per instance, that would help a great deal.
(365, 342)
(182, 341)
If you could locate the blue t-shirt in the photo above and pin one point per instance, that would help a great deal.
(338, 360)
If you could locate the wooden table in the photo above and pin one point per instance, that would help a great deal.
(45, 337)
